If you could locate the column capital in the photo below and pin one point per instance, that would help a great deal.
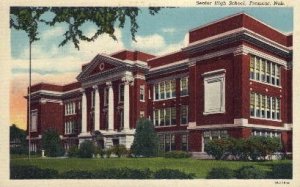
(82, 90)
(127, 79)
(109, 83)
(95, 87)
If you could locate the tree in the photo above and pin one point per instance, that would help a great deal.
(51, 143)
(86, 149)
(106, 19)
(17, 140)
(145, 139)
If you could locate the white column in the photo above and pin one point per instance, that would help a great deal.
(110, 106)
(97, 109)
(84, 112)
(126, 105)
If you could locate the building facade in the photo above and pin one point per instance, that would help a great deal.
(233, 79)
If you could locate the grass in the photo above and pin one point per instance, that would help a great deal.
(199, 167)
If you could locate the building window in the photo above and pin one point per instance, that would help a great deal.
(70, 108)
(184, 86)
(167, 142)
(184, 142)
(165, 90)
(184, 115)
(34, 118)
(121, 119)
(265, 107)
(214, 93)
(70, 127)
(266, 133)
(142, 114)
(142, 93)
(264, 71)
(164, 116)
(121, 93)
(105, 96)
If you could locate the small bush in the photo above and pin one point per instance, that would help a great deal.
(77, 174)
(250, 172)
(119, 150)
(31, 172)
(221, 173)
(108, 152)
(177, 154)
(172, 174)
(122, 173)
(217, 148)
(281, 171)
(86, 149)
(73, 151)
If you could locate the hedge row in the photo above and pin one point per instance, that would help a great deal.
(280, 171)
(33, 172)
(177, 154)
(253, 148)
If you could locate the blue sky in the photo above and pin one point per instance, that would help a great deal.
(163, 33)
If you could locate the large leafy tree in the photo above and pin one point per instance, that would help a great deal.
(17, 140)
(145, 141)
(106, 19)
(51, 143)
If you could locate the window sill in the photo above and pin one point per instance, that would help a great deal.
(164, 126)
(184, 95)
(164, 99)
(266, 119)
(214, 112)
(265, 83)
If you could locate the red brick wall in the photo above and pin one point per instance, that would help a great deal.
(195, 141)
(51, 116)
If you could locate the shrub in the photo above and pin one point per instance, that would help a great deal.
(31, 172)
(237, 149)
(177, 154)
(123, 173)
(73, 151)
(51, 143)
(217, 148)
(119, 150)
(145, 141)
(250, 172)
(77, 174)
(221, 173)
(86, 149)
(99, 151)
(108, 152)
(171, 174)
(281, 171)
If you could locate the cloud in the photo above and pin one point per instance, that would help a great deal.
(169, 30)
(157, 45)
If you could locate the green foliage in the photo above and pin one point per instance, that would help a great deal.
(77, 174)
(31, 172)
(51, 143)
(177, 154)
(221, 173)
(119, 150)
(106, 19)
(18, 140)
(217, 148)
(250, 172)
(86, 149)
(145, 139)
(171, 174)
(73, 151)
(281, 171)
(108, 152)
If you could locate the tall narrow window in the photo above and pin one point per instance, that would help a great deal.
(257, 70)
(273, 107)
(252, 103)
(162, 90)
(173, 116)
(105, 96)
(273, 73)
(34, 118)
(121, 119)
(268, 80)
(184, 86)
(162, 117)
(268, 107)
(263, 70)
(173, 145)
(173, 88)
(277, 75)
(156, 91)
(258, 102)
(263, 106)
(252, 61)
(168, 89)
(168, 116)
(156, 117)
(277, 108)
(184, 140)
(121, 93)
(142, 93)
(184, 114)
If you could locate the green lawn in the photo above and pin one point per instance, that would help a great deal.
(199, 167)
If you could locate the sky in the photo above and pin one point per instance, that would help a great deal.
(160, 34)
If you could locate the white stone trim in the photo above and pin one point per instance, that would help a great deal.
(221, 126)
(84, 113)
(126, 105)
(45, 100)
(167, 54)
(97, 109)
(110, 106)
(138, 76)
(169, 65)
